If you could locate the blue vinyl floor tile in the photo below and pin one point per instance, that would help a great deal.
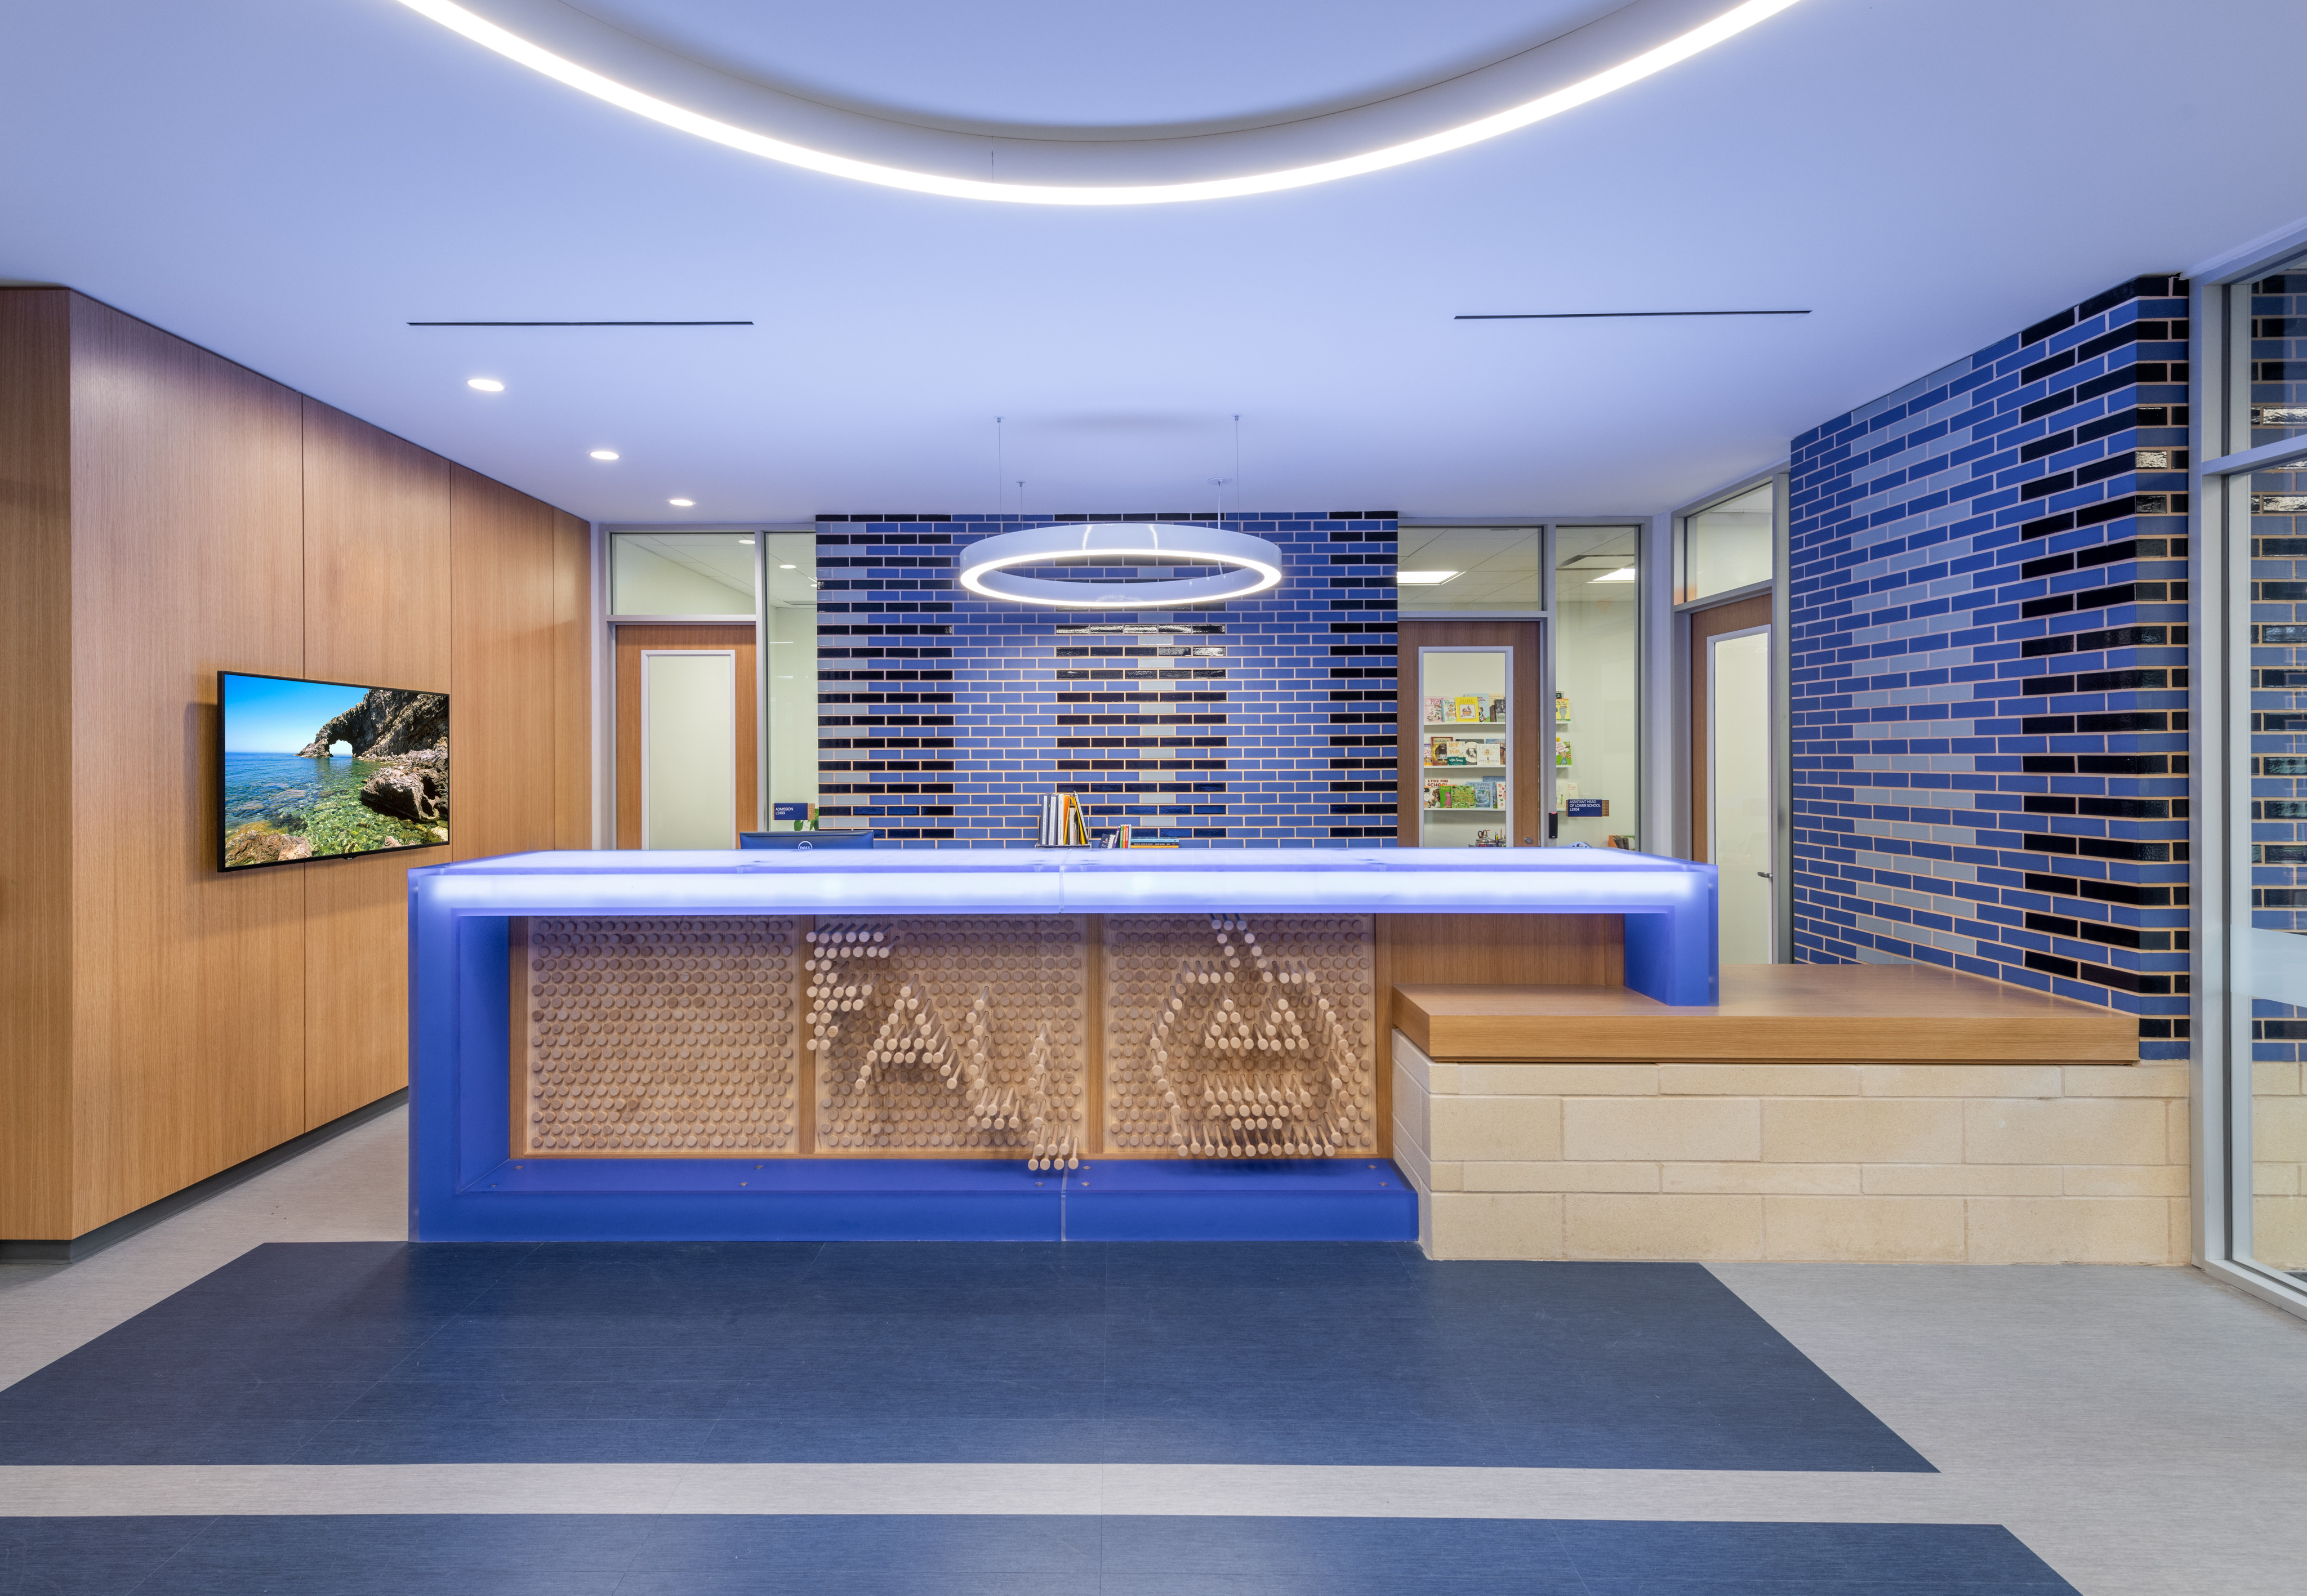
(1083, 1352)
(907, 1556)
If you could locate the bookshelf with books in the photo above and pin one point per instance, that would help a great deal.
(1466, 747)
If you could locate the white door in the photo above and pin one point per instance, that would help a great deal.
(689, 748)
(1739, 803)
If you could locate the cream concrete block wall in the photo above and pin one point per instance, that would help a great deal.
(2041, 1163)
(2279, 1165)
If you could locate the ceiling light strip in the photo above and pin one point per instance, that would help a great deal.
(591, 324)
(513, 47)
(1607, 315)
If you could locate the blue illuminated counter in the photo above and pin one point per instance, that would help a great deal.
(646, 1045)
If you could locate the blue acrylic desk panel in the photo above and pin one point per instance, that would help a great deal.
(466, 1185)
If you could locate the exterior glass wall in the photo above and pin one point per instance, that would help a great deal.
(2251, 592)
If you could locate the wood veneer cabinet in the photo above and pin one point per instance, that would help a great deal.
(164, 514)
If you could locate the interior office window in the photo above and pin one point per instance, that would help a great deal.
(789, 642)
(681, 573)
(1477, 571)
(1726, 546)
(1597, 713)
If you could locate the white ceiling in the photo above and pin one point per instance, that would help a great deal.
(1095, 62)
(289, 182)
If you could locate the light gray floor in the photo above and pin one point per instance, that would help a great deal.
(2144, 1430)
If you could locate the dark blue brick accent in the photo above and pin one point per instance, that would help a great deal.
(944, 716)
(1988, 649)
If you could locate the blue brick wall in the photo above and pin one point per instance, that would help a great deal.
(944, 716)
(1988, 646)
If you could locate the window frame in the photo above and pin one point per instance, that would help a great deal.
(2219, 702)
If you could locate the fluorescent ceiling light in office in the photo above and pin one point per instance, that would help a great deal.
(526, 52)
(1624, 573)
(1424, 578)
(1255, 565)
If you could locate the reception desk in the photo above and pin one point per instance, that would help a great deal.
(1014, 1044)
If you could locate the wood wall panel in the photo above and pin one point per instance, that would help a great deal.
(36, 878)
(501, 709)
(189, 1009)
(376, 611)
(164, 514)
(376, 600)
(572, 680)
(1506, 949)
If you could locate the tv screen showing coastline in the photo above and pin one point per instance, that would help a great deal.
(326, 769)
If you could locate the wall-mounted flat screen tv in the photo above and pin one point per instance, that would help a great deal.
(325, 769)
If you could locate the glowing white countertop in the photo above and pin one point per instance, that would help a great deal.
(1668, 902)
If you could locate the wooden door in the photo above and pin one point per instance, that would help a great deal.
(1705, 624)
(1529, 728)
(632, 641)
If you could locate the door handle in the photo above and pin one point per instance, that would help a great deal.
(1764, 874)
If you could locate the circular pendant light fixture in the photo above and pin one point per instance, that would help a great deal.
(1255, 565)
(1628, 43)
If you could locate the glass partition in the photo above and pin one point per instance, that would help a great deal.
(1725, 546)
(789, 672)
(681, 573)
(1597, 628)
(1480, 571)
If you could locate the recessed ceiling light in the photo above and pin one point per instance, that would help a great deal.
(1730, 24)
(784, 567)
(1423, 579)
(605, 454)
(683, 504)
(747, 542)
(1624, 573)
(486, 384)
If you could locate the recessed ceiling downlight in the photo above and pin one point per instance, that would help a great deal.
(605, 454)
(683, 504)
(486, 384)
(1642, 65)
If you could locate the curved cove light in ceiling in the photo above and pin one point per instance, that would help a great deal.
(1094, 64)
(1116, 165)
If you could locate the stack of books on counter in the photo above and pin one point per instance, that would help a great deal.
(1065, 823)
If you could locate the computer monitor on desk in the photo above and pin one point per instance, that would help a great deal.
(862, 838)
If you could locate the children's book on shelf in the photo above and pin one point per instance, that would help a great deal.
(1464, 795)
(1453, 751)
(1471, 707)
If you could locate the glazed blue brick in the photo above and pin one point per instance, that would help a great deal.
(1887, 861)
(1261, 768)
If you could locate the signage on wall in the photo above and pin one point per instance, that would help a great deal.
(788, 811)
(1588, 809)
